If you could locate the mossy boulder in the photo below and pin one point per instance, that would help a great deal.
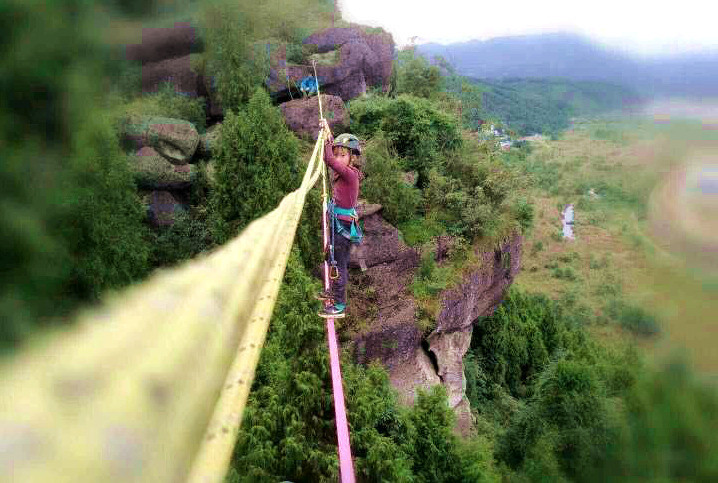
(162, 207)
(174, 139)
(154, 172)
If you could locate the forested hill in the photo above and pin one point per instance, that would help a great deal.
(577, 58)
(546, 106)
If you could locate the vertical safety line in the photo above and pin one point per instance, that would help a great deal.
(346, 465)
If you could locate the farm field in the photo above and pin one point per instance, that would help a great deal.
(644, 262)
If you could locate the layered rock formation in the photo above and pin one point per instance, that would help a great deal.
(302, 115)
(363, 58)
(162, 163)
(165, 55)
(392, 334)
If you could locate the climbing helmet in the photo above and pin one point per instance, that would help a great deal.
(348, 141)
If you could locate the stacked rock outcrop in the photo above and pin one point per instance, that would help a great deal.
(164, 162)
(382, 291)
(363, 59)
(165, 55)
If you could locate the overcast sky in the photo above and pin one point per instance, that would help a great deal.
(642, 27)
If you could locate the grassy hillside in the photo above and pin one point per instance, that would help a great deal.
(529, 106)
(628, 277)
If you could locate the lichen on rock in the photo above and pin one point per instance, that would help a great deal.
(154, 172)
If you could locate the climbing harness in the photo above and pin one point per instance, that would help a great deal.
(354, 234)
(346, 465)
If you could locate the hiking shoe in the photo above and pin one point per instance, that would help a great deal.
(332, 312)
(324, 296)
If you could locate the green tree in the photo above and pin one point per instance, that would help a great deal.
(384, 183)
(416, 130)
(71, 220)
(415, 76)
(238, 64)
(669, 430)
(257, 165)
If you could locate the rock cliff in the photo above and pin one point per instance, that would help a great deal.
(385, 312)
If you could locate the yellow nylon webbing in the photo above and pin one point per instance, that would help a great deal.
(151, 386)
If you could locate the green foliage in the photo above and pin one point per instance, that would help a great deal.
(102, 221)
(632, 318)
(384, 183)
(432, 278)
(309, 231)
(256, 165)
(379, 426)
(418, 132)
(419, 231)
(298, 53)
(573, 416)
(241, 34)
(471, 98)
(433, 445)
(469, 194)
(71, 220)
(586, 412)
(288, 431)
(166, 103)
(668, 432)
(546, 106)
(516, 342)
(238, 65)
(415, 76)
(595, 420)
(186, 238)
(479, 387)
(468, 212)
(565, 273)
(524, 211)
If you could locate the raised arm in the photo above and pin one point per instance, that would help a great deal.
(339, 168)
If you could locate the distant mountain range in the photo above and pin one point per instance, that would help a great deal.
(574, 57)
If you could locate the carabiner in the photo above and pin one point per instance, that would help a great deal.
(334, 271)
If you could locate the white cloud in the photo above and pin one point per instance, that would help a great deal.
(643, 26)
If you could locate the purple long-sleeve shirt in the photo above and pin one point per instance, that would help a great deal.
(346, 181)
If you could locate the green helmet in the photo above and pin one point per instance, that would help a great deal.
(348, 141)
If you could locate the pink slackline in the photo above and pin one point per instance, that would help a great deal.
(346, 466)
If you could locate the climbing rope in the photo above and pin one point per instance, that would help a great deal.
(346, 466)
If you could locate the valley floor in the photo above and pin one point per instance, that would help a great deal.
(637, 264)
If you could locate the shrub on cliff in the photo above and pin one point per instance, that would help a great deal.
(415, 76)
(257, 165)
(384, 183)
(237, 65)
(417, 131)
